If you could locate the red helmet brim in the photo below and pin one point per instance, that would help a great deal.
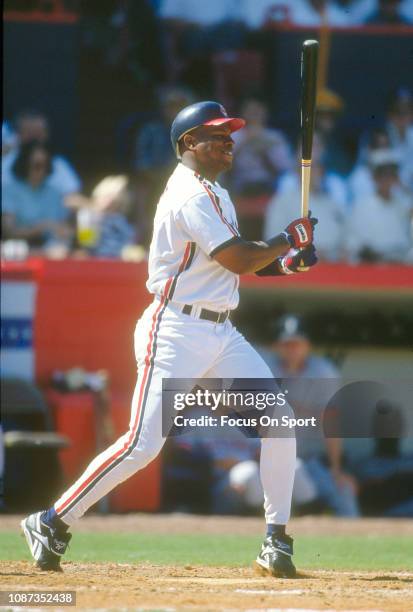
(234, 123)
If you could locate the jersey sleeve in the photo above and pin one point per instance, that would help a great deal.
(204, 221)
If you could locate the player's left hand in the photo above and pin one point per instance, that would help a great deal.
(298, 260)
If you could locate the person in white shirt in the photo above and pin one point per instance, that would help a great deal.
(361, 181)
(379, 226)
(195, 259)
(33, 126)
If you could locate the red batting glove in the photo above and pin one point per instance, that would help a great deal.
(300, 232)
(298, 261)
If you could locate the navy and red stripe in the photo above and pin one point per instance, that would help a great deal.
(215, 201)
(185, 264)
(130, 444)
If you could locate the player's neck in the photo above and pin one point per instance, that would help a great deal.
(193, 165)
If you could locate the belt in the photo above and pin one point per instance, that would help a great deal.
(208, 315)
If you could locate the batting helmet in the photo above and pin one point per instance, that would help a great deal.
(201, 113)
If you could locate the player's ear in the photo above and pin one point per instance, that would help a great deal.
(190, 141)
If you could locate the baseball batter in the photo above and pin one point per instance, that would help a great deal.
(195, 258)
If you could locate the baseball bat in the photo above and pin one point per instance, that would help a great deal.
(309, 55)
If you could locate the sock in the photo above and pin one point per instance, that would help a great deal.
(277, 530)
(50, 518)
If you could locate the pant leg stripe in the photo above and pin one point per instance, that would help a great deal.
(128, 447)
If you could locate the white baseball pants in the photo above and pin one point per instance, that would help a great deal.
(170, 344)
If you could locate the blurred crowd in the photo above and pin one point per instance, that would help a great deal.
(363, 198)
(364, 209)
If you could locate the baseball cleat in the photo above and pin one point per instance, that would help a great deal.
(46, 544)
(275, 557)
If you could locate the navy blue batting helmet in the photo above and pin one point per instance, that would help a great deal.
(201, 113)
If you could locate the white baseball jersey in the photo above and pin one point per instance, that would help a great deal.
(194, 220)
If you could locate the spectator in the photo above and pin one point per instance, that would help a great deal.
(33, 209)
(153, 153)
(331, 214)
(399, 128)
(388, 13)
(361, 182)
(154, 157)
(379, 225)
(333, 184)
(111, 199)
(261, 156)
(330, 107)
(191, 36)
(320, 472)
(32, 125)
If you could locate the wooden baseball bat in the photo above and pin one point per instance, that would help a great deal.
(309, 55)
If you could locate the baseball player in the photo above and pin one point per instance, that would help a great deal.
(195, 258)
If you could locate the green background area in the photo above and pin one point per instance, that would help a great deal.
(311, 552)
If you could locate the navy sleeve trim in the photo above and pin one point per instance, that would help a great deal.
(225, 244)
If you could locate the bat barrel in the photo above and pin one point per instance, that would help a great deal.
(308, 95)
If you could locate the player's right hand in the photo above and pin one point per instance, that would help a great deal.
(299, 232)
(298, 261)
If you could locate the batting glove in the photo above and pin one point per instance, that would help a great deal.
(298, 261)
(299, 232)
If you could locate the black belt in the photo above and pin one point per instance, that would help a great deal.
(208, 315)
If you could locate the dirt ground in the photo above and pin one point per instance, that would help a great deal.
(124, 586)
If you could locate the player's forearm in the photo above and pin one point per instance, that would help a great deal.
(262, 254)
(247, 257)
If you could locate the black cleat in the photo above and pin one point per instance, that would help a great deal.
(46, 544)
(275, 557)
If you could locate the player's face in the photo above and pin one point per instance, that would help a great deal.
(214, 148)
